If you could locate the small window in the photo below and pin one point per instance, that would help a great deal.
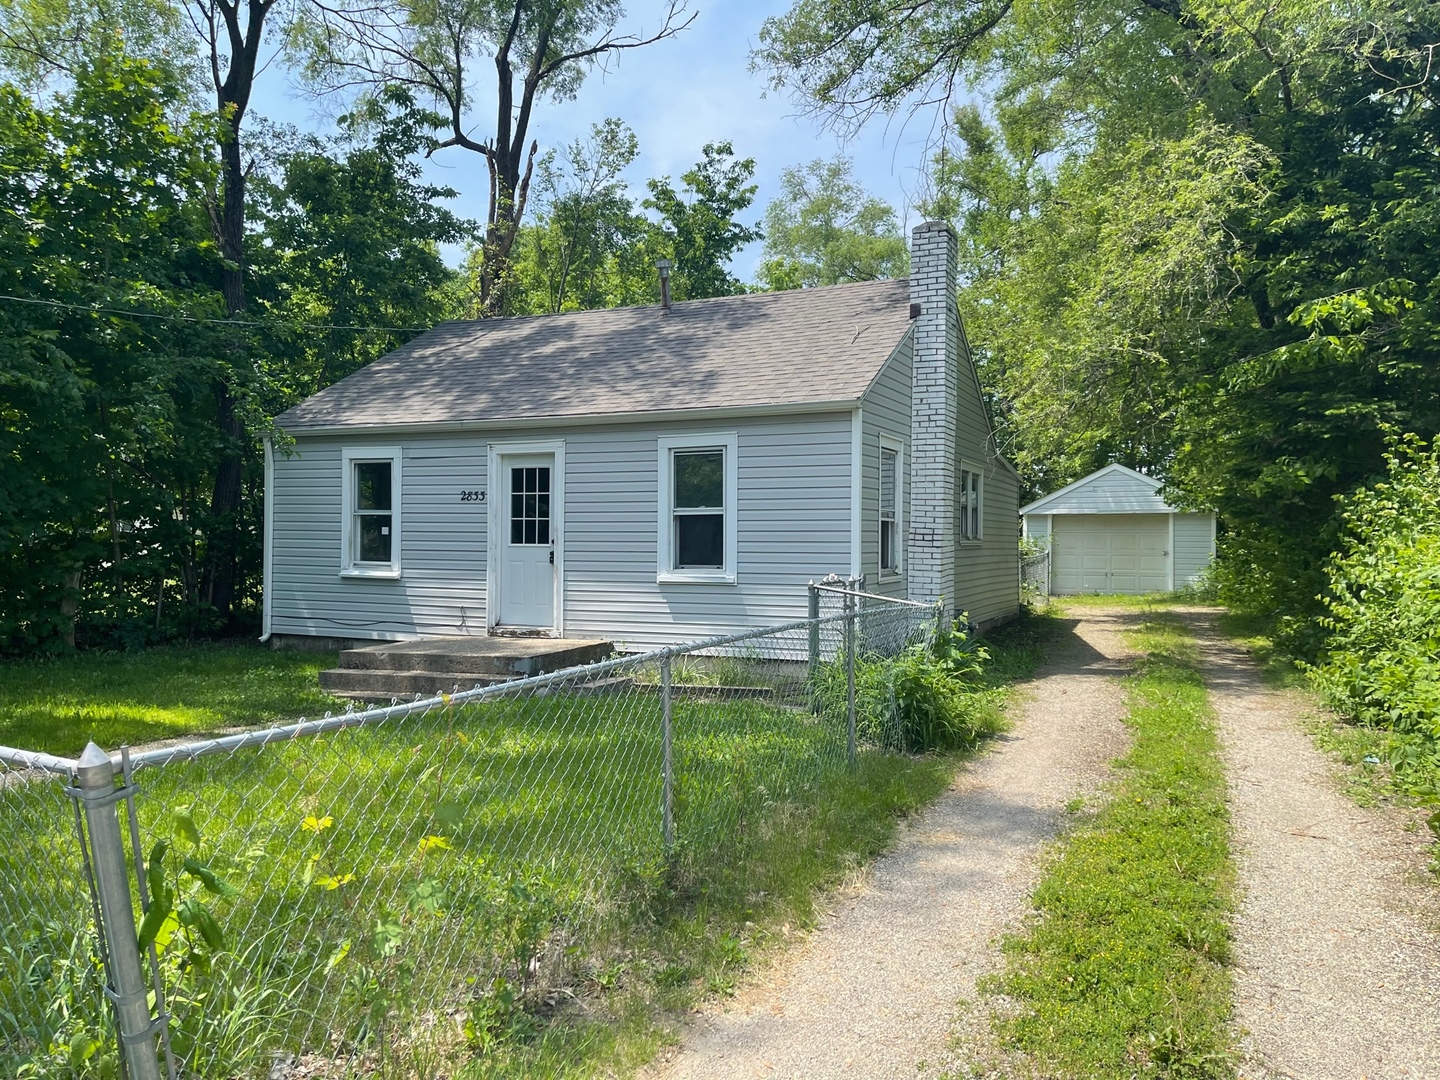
(697, 509)
(970, 505)
(371, 540)
(530, 505)
(889, 510)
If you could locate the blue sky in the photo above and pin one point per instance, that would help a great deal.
(677, 95)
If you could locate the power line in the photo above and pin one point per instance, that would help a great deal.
(101, 310)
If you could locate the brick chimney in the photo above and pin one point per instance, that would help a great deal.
(934, 398)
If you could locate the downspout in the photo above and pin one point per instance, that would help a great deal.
(267, 542)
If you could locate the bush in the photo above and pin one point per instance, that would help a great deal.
(1381, 665)
(928, 697)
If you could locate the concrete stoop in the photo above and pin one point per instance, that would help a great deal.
(402, 669)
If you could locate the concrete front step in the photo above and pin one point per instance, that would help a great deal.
(472, 656)
(376, 685)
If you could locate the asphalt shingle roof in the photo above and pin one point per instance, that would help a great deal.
(785, 348)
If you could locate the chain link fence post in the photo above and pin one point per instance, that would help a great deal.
(667, 787)
(97, 794)
(813, 675)
(852, 616)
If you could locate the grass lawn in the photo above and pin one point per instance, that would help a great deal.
(481, 891)
(1123, 972)
(59, 705)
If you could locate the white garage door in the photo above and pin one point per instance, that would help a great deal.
(1110, 553)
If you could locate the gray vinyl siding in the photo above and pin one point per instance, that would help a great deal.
(1113, 493)
(885, 410)
(987, 571)
(793, 522)
(1036, 526)
(793, 525)
(1194, 546)
(442, 544)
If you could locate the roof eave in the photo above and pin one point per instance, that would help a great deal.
(1038, 505)
(575, 420)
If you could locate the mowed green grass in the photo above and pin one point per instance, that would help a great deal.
(59, 705)
(1124, 971)
(548, 813)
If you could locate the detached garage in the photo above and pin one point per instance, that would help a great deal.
(1111, 532)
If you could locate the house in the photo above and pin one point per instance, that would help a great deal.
(649, 475)
(1111, 532)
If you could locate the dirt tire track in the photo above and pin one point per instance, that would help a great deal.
(872, 993)
(1337, 962)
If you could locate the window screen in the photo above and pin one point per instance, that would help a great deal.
(889, 540)
(698, 509)
(969, 507)
(373, 512)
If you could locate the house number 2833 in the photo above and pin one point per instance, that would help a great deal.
(472, 496)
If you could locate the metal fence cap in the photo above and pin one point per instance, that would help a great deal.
(95, 768)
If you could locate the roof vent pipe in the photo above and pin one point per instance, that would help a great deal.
(664, 265)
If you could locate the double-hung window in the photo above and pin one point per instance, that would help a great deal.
(370, 539)
(971, 508)
(891, 480)
(697, 482)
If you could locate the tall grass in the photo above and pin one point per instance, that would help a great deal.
(1123, 971)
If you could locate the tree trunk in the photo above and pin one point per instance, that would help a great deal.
(220, 548)
(69, 604)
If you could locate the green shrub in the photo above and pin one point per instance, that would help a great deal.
(1381, 665)
(930, 696)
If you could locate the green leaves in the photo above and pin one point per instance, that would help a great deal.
(824, 229)
(1381, 665)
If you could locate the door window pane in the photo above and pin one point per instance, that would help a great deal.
(530, 505)
(699, 541)
(700, 479)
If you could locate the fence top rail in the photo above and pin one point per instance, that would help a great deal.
(841, 590)
(360, 718)
(33, 759)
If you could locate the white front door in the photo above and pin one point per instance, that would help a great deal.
(1110, 553)
(529, 515)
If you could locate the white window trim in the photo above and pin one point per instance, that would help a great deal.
(665, 574)
(898, 446)
(350, 456)
(979, 474)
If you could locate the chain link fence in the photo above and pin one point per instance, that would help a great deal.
(1035, 576)
(387, 889)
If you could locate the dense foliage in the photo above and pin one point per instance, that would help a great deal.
(1382, 665)
(1196, 238)
(115, 334)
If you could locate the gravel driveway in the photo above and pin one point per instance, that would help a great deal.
(1337, 960)
(872, 993)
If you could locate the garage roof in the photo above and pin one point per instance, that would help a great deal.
(1114, 489)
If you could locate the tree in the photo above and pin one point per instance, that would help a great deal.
(1191, 235)
(825, 229)
(698, 222)
(589, 244)
(348, 237)
(105, 423)
(540, 49)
